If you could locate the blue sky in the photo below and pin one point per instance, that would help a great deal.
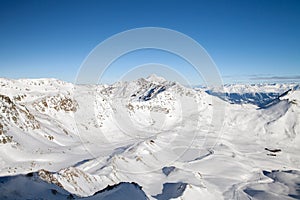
(250, 41)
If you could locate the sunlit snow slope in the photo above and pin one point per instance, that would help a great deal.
(147, 139)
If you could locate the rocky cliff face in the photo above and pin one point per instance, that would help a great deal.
(16, 115)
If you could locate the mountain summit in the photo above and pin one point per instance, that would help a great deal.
(156, 79)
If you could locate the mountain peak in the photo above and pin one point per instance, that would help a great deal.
(155, 78)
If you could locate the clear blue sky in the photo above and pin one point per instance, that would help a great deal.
(250, 40)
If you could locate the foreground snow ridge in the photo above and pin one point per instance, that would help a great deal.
(148, 139)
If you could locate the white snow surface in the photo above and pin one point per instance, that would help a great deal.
(86, 137)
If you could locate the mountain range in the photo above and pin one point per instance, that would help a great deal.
(148, 139)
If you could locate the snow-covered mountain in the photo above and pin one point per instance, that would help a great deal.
(148, 139)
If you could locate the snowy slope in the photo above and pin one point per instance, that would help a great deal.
(173, 142)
